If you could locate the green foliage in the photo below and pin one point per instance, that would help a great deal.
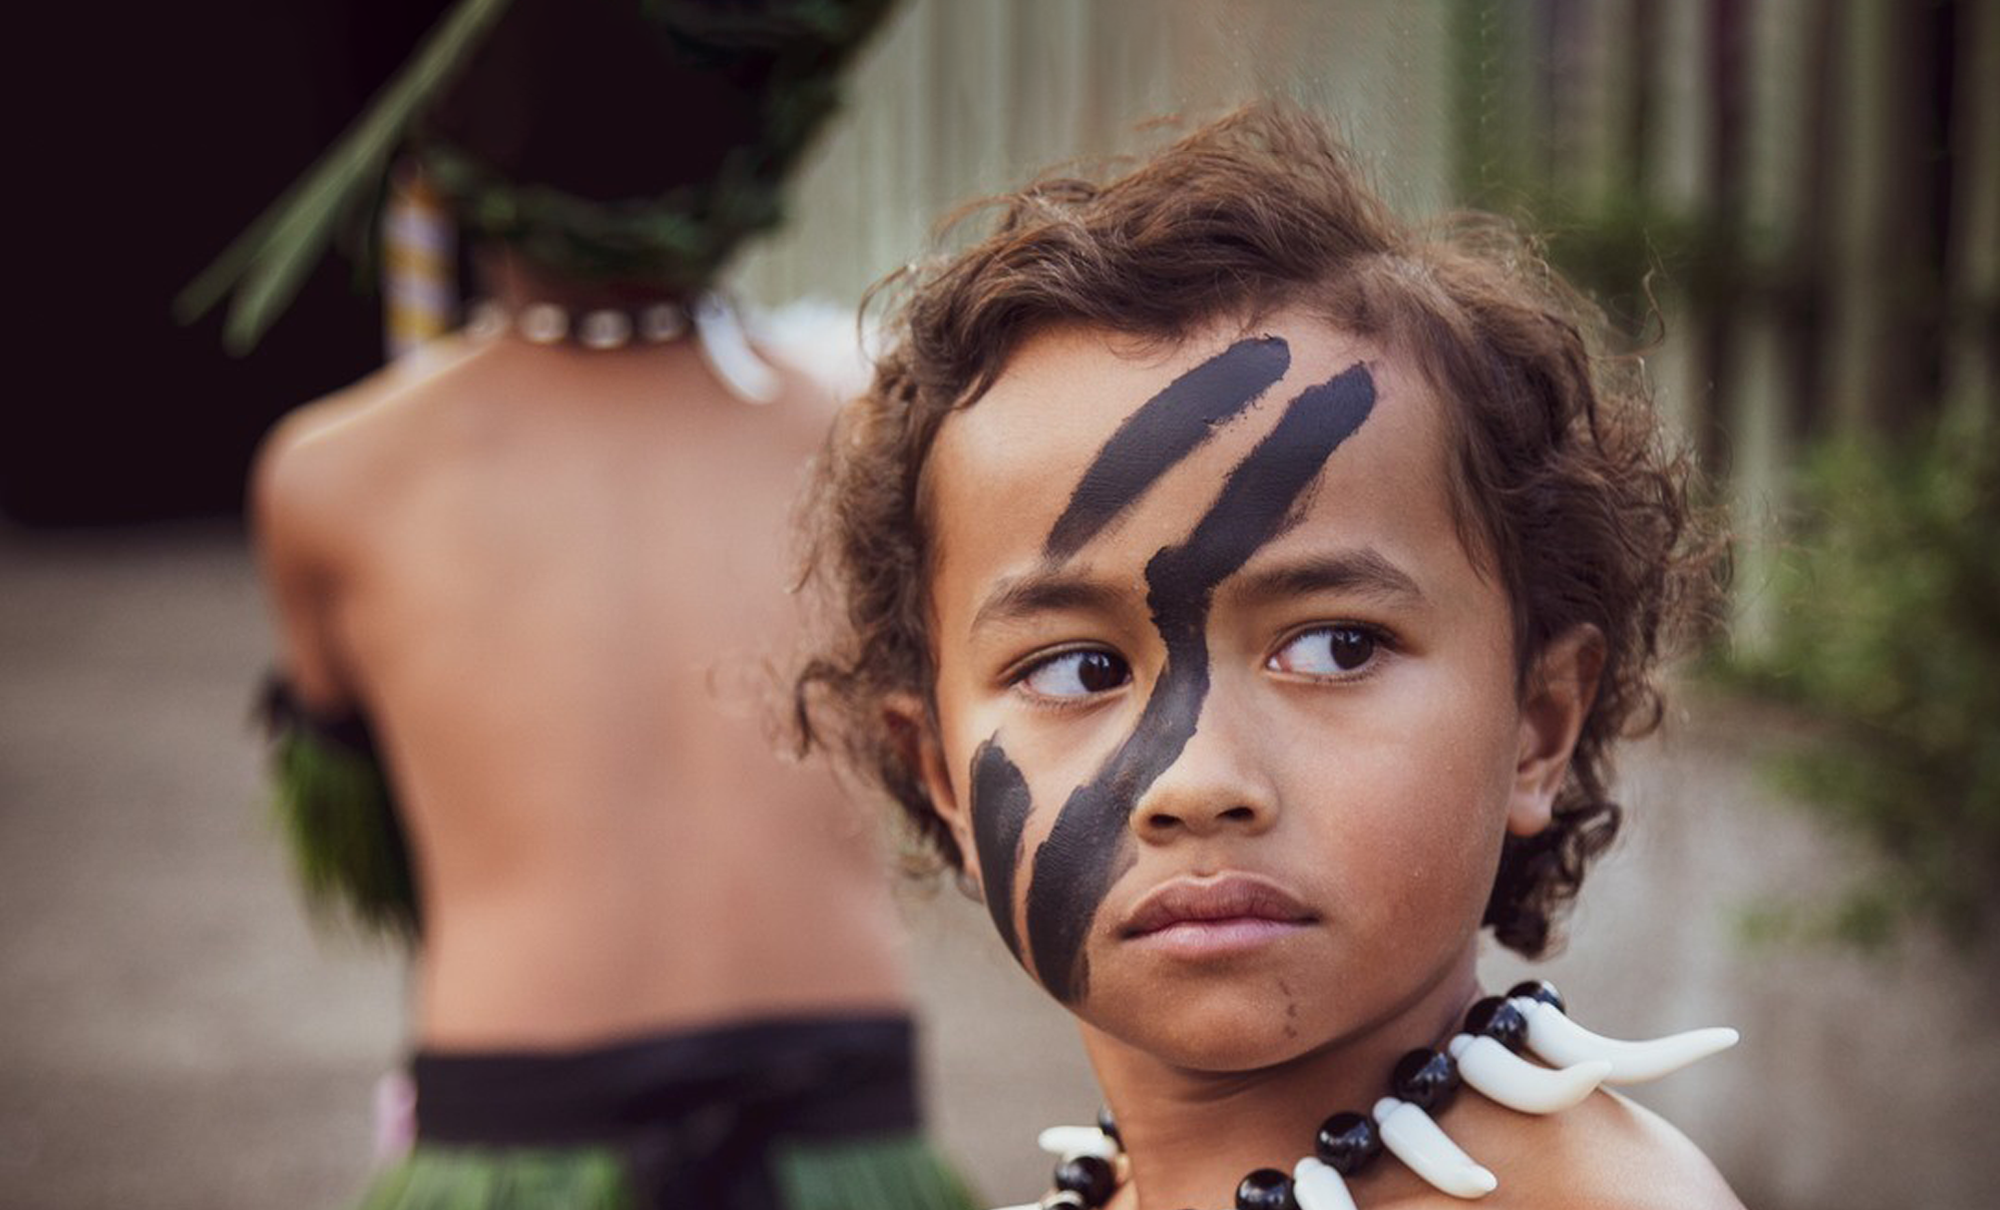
(889, 1172)
(504, 1178)
(1889, 631)
(347, 844)
(885, 1172)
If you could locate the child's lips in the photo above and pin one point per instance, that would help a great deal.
(1205, 916)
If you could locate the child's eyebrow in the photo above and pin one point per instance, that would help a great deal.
(1364, 571)
(1045, 590)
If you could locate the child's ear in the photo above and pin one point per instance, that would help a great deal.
(914, 730)
(1562, 685)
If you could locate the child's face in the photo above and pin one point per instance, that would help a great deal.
(1231, 760)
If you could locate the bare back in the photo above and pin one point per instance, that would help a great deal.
(555, 582)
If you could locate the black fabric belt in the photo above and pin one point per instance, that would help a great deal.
(805, 1079)
(280, 708)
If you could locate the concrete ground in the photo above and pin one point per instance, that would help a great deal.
(175, 1037)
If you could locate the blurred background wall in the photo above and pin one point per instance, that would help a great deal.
(151, 136)
(1790, 208)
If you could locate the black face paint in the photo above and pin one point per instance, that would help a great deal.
(1090, 843)
(1166, 428)
(999, 807)
(1157, 436)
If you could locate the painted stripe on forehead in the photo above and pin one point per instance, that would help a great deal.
(1090, 844)
(1165, 429)
(1255, 503)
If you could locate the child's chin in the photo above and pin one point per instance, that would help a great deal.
(1213, 1038)
(1226, 1050)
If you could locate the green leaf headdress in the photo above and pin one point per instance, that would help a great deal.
(678, 239)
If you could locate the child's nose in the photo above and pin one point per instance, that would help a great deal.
(1217, 784)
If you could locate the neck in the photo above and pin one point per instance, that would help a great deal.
(514, 283)
(1191, 1135)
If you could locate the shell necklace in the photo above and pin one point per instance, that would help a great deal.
(1488, 1055)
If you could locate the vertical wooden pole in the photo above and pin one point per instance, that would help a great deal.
(1809, 246)
(1642, 87)
(1972, 372)
(1864, 193)
(1718, 281)
(1777, 95)
(1486, 45)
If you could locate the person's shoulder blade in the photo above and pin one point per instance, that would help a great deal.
(316, 461)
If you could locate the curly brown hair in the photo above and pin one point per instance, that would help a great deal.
(1562, 484)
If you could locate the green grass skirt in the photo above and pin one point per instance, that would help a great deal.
(895, 1172)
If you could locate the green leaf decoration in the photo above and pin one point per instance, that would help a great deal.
(679, 240)
(347, 845)
(504, 1178)
(894, 1172)
(265, 266)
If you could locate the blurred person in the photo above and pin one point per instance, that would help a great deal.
(1335, 567)
(527, 581)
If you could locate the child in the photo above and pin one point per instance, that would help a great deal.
(1245, 592)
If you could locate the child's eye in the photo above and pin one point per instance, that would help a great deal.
(1074, 674)
(1327, 651)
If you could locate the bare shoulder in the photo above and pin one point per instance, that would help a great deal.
(1612, 1154)
(312, 461)
(296, 462)
(1605, 1154)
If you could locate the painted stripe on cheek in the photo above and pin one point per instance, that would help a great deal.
(999, 808)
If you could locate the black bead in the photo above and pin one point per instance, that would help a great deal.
(1347, 1142)
(1265, 1189)
(1427, 1079)
(1107, 1125)
(1538, 989)
(1495, 1018)
(1089, 1177)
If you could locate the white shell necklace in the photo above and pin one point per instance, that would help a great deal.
(718, 330)
(1486, 1056)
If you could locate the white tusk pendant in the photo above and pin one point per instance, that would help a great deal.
(1506, 1077)
(1410, 1134)
(727, 350)
(1316, 1186)
(1069, 1142)
(1556, 1038)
